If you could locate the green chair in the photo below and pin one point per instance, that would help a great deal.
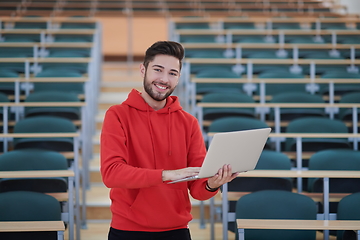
(21, 37)
(239, 25)
(69, 52)
(340, 88)
(335, 159)
(214, 113)
(288, 114)
(77, 25)
(30, 25)
(269, 159)
(345, 114)
(202, 25)
(28, 206)
(33, 160)
(348, 209)
(331, 26)
(276, 204)
(317, 125)
(86, 38)
(205, 53)
(229, 124)
(8, 88)
(276, 88)
(75, 87)
(72, 113)
(44, 124)
(202, 88)
(197, 39)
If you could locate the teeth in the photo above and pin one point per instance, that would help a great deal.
(161, 87)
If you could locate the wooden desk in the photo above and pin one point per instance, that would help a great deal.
(48, 174)
(287, 174)
(243, 224)
(36, 226)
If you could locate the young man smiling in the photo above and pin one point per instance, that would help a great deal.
(149, 140)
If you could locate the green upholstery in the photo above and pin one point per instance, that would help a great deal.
(73, 38)
(214, 113)
(197, 39)
(335, 159)
(285, 25)
(348, 209)
(276, 204)
(272, 89)
(205, 53)
(75, 87)
(228, 124)
(297, 97)
(44, 124)
(331, 26)
(192, 25)
(317, 125)
(74, 25)
(22, 37)
(239, 25)
(72, 113)
(268, 160)
(29, 160)
(340, 88)
(217, 87)
(30, 25)
(69, 52)
(265, 55)
(320, 55)
(7, 87)
(346, 113)
(28, 206)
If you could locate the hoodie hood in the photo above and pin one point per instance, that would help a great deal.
(135, 100)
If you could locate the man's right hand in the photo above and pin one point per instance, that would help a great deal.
(171, 175)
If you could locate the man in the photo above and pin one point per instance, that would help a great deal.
(149, 140)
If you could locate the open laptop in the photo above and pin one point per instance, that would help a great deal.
(240, 149)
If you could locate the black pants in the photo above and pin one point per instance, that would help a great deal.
(179, 234)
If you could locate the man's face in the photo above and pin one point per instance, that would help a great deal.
(161, 76)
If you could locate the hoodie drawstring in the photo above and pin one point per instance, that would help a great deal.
(169, 132)
(151, 135)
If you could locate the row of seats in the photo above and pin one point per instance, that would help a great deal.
(69, 79)
(288, 205)
(171, 6)
(212, 82)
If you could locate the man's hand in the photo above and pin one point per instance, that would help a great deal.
(171, 175)
(223, 176)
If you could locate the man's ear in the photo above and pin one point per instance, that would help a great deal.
(142, 70)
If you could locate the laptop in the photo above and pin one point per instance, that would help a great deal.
(240, 149)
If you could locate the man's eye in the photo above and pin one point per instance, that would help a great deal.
(173, 74)
(157, 70)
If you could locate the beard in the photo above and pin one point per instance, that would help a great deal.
(156, 95)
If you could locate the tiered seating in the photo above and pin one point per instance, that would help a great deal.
(290, 68)
(60, 59)
(172, 8)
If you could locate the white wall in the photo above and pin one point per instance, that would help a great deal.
(353, 6)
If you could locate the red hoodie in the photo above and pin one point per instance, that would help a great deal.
(137, 144)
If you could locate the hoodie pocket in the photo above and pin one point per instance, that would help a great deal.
(161, 208)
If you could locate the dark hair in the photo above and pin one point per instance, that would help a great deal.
(164, 47)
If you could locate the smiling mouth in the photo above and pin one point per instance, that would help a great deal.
(161, 87)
